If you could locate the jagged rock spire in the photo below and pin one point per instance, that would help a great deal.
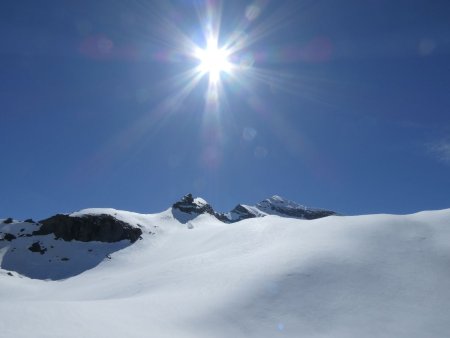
(188, 208)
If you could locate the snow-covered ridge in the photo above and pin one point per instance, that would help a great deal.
(274, 205)
(277, 205)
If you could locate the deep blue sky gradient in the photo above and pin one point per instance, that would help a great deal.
(356, 117)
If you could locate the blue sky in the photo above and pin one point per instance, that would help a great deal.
(338, 104)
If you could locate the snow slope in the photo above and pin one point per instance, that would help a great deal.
(359, 276)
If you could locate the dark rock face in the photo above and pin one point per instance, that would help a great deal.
(188, 205)
(243, 212)
(36, 247)
(274, 205)
(189, 208)
(9, 237)
(9, 220)
(279, 206)
(238, 213)
(223, 217)
(303, 213)
(102, 228)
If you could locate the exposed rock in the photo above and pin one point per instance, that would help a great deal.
(243, 212)
(9, 220)
(102, 228)
(9, 237)
(29, 220)
(189, 208)
(274, 205)
(36, 247)
(277, 205)
(239, 213)
(190, 205)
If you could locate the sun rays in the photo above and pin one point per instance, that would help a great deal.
(222, 56)
(213, 61)
(209, 65)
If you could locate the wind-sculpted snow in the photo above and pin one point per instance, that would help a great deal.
(359, 276)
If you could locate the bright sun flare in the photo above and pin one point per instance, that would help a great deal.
(213, 61)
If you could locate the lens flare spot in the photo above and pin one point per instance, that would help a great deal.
(261, 152)
(246, 62)
(252, 12)
(249, 134)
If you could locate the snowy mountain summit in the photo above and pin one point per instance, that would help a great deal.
(188, 208)
(277, 205)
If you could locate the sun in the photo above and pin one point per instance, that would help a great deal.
(213, 61)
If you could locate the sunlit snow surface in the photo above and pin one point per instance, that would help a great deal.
(360, 276)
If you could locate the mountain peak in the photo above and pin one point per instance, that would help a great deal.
(277, 200)
(189, 207)
(277, 205)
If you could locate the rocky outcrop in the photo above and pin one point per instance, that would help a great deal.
(277, 205)
(9, 237)
(193, 206)
(189, 207)
(102, 228)
(242, 212)
(36, 247)
(238, 213)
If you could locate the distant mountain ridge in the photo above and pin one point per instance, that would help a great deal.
(189, 207)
